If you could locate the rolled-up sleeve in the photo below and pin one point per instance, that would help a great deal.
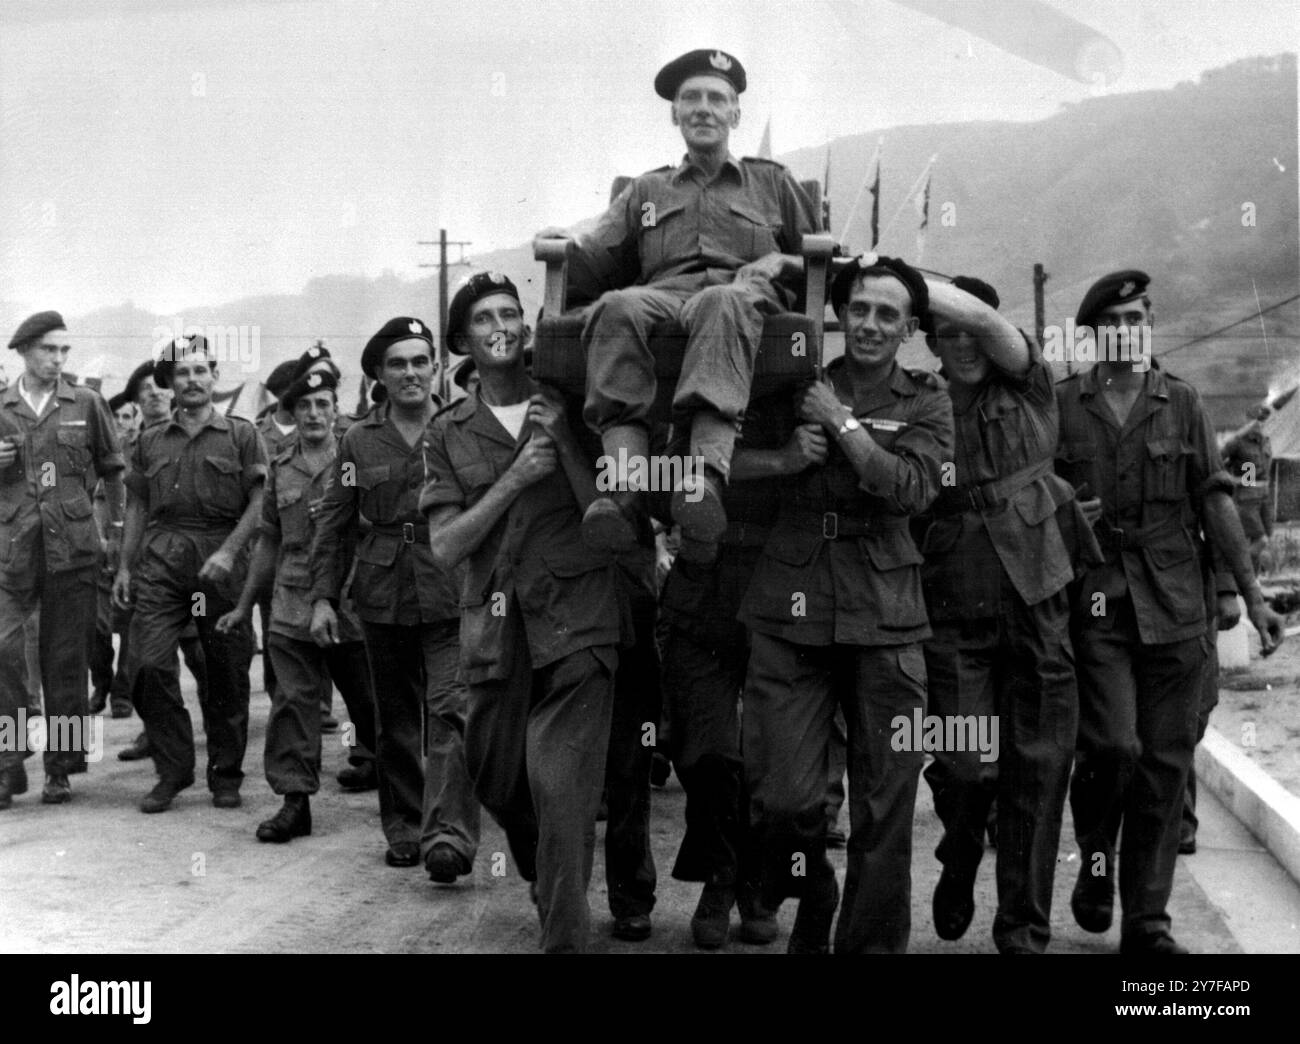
(136, 481)
(907, 476)
(269, 526)
(441, 487)
(108, 451)
(252, 455)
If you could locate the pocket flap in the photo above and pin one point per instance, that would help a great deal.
(1074, 452)
(155, 467)
(749, 214)
(8, 511)
(72, 437)
(793, 547)
(1167, 554)
(892, 551)
(563, 565)
(288, 497)
(379, 548)
(1161, 448)
(1035, 504)
(368, 478)
(225, 465)
(78, 507)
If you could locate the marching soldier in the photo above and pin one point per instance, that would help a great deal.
(541, 618)
(295, 488)
(194, 500)
(56, 442)
(407, 607)
(1142, 443)
(155, 405)
(995, 575)
(837, 618)
(714, 238)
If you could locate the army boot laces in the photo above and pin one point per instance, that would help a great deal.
(293, 820)
(57, 790)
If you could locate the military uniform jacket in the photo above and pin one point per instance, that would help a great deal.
(273, 438)
(1249, 456)
(532, 571)
(998, 518)
(670, 223)
(201, 483)
(841, 565)
(1152, 474)
(45, 496)
(294, 494)
(372, 502)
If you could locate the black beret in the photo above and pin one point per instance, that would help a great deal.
(119, 400)
(317, 380)
(875, 265)
(977, 288)
(699, 63)
(315, 356)
(34, 327)
(132, 389)
(403, 328)
(470, 293)
(1113, 289)
(162, 371)
(281, 377)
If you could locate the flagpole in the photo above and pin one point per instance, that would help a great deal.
(908, 198)
(853, 211)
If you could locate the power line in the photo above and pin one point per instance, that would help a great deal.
(1237, 322)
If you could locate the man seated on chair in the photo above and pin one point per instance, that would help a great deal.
(712, 240)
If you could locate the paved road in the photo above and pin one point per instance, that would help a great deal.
(98, 876)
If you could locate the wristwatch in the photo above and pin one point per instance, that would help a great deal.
(851, 423)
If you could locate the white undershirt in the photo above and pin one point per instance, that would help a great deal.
(511, 417)
(37, 405)
(285, 429)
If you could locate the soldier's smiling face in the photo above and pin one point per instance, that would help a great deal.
(407, 371)
(959, 351)
(706, 109)
(877, 318)
(495, 332)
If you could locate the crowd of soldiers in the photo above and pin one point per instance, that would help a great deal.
(870, 548)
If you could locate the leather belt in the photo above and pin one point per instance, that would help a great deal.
(406, 530)
(1113, 538)
(989, 496)
(834, 525)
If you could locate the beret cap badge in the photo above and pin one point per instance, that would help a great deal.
(415, 327)
(720, 61)
(1127, 288)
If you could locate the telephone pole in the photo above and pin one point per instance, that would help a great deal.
(1040, 279)
(442, 244)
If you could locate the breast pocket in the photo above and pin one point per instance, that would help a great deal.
(1074, 464)
(220, 484)
(754, 236)
(378, 497)
(162, 481)
(1005, 431)
(1165, 476)
(665, 236)
(295, 523)
(73, 451)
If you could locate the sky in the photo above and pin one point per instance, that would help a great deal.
(175, 154)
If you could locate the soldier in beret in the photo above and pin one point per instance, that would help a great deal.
(507, 484)
(295, 487)
(837, 619)
(56, 442)
(714, 239)
(997, 564)
(1142, 443)
(408, 609)
(194, 500)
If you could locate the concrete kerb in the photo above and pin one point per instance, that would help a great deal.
(1263, 805)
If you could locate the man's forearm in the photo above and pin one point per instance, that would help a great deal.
(114, 498)
(581, 478)
(261, 570)
(1223, 527)
(453, 537)
(243, 532)
(136, 516)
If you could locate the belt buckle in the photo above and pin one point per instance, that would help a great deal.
(408, 532)
(830, 526)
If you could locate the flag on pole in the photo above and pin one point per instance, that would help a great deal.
(765, 146)
(923, 209)
(826, 191)
(875, 204)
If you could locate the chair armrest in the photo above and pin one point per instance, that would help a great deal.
(817, 250)
(555, 254)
